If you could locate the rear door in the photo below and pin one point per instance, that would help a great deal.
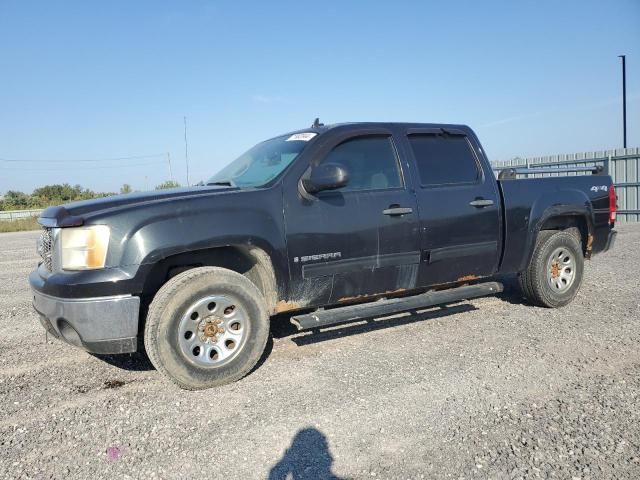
(361, 239)
(458, 203)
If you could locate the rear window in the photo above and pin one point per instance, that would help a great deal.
(444, 159)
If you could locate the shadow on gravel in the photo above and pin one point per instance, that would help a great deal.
(281, 328)
(134, 362)
(308, 458)
(511, 293)
(265, 354)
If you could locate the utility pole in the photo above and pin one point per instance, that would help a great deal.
(170, 171)
(186, 149)
(624, 100)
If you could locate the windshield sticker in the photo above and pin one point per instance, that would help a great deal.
(304, 137)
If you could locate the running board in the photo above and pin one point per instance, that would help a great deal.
(351, 313)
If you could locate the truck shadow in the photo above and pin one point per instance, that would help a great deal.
(282, 328)
(133, 362)
(511, 293)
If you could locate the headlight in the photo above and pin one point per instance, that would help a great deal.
(84, 248)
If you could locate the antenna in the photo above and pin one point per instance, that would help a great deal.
(316, 123)
(186, 149)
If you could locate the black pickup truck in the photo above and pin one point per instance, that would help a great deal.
(319, 222)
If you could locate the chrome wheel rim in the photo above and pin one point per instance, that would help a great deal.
(561, 269)
(213, 331)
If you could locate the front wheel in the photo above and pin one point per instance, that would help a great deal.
(206, 327)
(555, 272)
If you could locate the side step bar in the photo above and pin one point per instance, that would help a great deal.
(351, 313)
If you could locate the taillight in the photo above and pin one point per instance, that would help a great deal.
(612, 204)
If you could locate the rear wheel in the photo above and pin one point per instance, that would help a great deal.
(206, 327)
(555, 272)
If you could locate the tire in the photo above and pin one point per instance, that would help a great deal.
(220, 312)
(554, 275)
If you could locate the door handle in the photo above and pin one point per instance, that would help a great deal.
(481, 202)
(397, 210)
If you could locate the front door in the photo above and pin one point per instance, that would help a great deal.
(361, 239)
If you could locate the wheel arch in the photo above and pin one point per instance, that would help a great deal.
(566, 222)
(249, 260)
(556, 219)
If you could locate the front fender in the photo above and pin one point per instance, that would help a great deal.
(145, 234)
(163, 237)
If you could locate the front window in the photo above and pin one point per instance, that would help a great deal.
(371, 162)
(262, 163)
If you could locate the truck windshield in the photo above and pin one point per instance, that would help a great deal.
(263, 162)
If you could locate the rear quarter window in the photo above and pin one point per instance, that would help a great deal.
(444, 159)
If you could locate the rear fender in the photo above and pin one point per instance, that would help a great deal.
(574, 203)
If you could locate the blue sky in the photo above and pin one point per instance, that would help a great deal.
(82, 80)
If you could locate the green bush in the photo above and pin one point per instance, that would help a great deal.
(167, 184)
(57, 194)
(46, 196)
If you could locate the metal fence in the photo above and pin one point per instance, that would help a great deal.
(10, 215)
(623, 165)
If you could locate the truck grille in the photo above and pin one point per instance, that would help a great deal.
(45, 247)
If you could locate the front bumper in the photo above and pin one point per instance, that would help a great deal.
(99, 325)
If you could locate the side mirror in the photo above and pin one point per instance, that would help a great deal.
(327, 176)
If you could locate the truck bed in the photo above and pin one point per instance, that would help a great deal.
(528, 203)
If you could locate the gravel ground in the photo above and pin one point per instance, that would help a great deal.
(491, 388)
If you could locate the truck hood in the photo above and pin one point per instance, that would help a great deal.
(73, 214)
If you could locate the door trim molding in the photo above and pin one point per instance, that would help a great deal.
(467, 250)
(347, 265)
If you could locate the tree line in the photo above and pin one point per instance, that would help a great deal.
(58, 194)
